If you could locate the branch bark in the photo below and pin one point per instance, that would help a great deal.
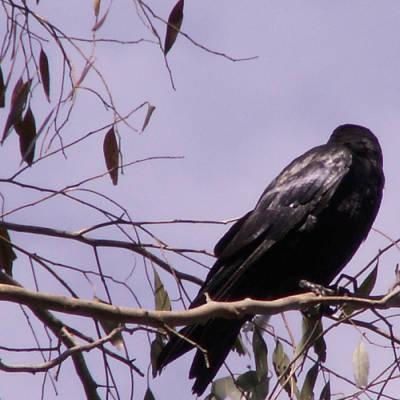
(236, 309)
(57, 327)
(39, 230)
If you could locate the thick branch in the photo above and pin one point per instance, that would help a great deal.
(212, 309)
(57, 327)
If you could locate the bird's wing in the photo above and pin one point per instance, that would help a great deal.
(292, 201)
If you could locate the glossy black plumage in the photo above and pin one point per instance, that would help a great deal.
(307, 224)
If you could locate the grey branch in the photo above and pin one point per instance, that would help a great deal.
(58, 360)
(102, 243)
(212, 309)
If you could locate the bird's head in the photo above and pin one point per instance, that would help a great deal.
(359, 140)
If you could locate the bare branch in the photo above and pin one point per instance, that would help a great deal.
(213, 309)
(103, 243)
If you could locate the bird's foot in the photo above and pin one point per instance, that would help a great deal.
(316, 288)
(320, 290)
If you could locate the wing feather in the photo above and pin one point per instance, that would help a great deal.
(292, 201)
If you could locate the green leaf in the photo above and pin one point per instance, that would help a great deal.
(260, 351)
(108, 326)
(161, 297)
(307, 391)
(239, 346)
(247, 381)
(312, 336)
(261, 360)
(326, 392)
(155, 349)
(281, 364)
(364, 290)
(225, 388)
(369, 283)
(174, 24)
(149, 395)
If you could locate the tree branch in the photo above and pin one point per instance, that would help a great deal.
(212, 309)
(63, 356)
(57, 327)
(102, 243)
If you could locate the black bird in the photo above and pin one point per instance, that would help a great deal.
(307, 224)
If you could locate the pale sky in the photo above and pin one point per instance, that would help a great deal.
(237, 124)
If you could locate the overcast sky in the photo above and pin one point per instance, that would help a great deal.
(319, 64)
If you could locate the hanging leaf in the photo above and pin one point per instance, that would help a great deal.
(174, 24)
(16, 90)
(225, 388)
(150, 110)
(149, 395)
(26, 130)
(44, 73)
(111, 155)
(108, 326)
(312, 336)
(368, 284)
(155, 349)
(101, 21)
(307, 391)
(96, 7)
(2, 90)
(18, 101)
(326, 392)
(247, 381)
(7, 255)
(361, 364)
(161, 297)
(239, 346)
(364, 290)
(260, 357)
(281, 364)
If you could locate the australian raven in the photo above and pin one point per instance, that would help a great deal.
(307, 224)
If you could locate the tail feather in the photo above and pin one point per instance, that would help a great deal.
(217, 337)
(177, 346)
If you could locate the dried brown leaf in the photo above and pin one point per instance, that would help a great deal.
(18, 101)
(150, 110)
(174, 24)
(100, 22)
(7, 255)
(96, 7)
(2, 90)
(111, 155)
(44, 73)
(26, 130)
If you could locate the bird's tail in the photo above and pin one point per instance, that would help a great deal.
(216, 337)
